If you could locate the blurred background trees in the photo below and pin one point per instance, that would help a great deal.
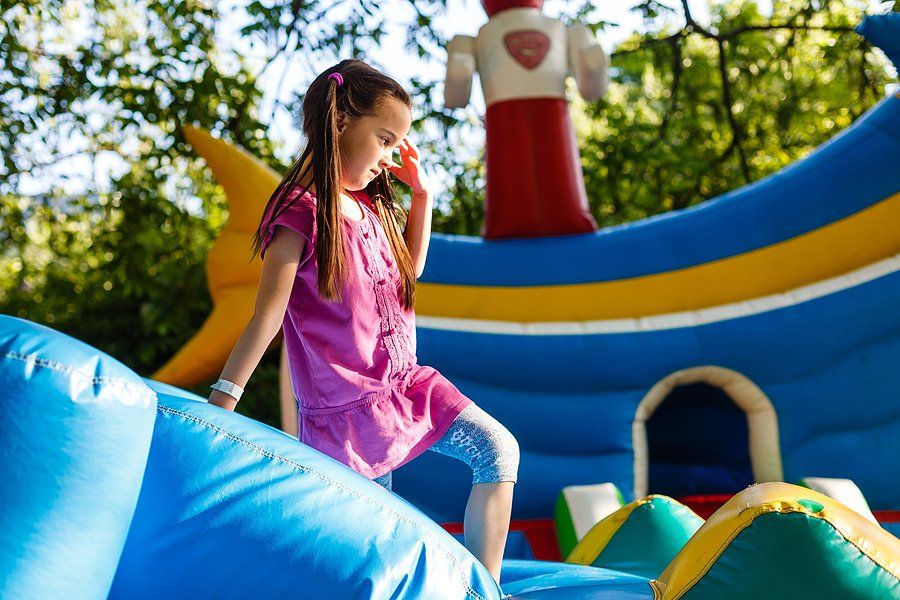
(697, 111)
(107, 214)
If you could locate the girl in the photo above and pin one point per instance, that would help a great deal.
(339, 278)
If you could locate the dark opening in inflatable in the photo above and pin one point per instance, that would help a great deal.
(698, 443)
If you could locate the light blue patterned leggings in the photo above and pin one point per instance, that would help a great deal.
(480, 441)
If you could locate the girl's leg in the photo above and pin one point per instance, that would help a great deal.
(486, 524)
(492, 452)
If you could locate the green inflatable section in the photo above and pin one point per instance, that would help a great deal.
(565, 529)
(650, 537)
(793, 556)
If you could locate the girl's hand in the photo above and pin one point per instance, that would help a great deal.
(410, 172)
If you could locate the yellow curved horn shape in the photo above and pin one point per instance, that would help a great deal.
(231, 276)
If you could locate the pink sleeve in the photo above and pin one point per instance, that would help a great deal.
(301, 217)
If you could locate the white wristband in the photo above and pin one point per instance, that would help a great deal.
(233, 390)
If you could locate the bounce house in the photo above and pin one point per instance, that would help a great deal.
(735, 360)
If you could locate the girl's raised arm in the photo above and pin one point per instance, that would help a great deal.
(275, 283)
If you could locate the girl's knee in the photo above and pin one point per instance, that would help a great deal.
(511, 448)
(513, 455)
(483, 443)
(502, 464)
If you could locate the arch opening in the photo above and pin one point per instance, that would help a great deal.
(715, 423)
(715, 460)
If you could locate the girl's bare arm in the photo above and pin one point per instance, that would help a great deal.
(418, 230)
(275, 282)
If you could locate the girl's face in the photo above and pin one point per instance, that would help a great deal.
(368, 142)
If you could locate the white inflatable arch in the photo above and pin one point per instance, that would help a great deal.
(762, 422)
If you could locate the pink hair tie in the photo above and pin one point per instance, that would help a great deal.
(337, 77)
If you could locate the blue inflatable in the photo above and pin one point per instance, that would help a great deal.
(122, 487)
(230, 504)
(75, 428)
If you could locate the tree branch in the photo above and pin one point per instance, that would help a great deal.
(728, 35)
(736, 132)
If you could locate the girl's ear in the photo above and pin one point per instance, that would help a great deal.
(341, 121)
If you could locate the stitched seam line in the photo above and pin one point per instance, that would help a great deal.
(370, 399)
(54, 365)
(299, 467)
(383, 309)
(388, 310)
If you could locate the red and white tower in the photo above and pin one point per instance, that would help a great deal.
(535, 186)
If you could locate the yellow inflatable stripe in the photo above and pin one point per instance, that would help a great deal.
(228, 264)
(714, 536)
(855, 241)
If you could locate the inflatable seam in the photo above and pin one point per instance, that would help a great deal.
(144, 392)
(278, 457)
(769, 509)
(885, 564)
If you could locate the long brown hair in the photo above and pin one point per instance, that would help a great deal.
(363, 89)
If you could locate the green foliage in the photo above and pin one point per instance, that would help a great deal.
(694, 113)
(466, 206)
(122, 268)
(119, 263)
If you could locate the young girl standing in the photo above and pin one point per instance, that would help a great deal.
(339, 278)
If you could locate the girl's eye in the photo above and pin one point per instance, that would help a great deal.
(386, 141)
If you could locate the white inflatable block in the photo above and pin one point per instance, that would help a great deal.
(844, 491)
(589, 504)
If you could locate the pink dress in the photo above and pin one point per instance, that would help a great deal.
(362, 398)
